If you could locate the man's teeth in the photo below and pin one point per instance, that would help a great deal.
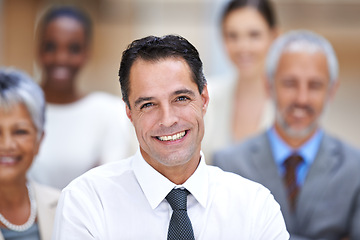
(173, 137)
(7, 160)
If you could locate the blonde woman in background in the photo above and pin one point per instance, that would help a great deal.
(239, 105)
(27, 209)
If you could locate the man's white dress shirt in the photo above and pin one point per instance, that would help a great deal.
(126, 200)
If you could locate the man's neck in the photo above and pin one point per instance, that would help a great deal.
(177, 174)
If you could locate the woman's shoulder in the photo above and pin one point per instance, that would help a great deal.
(44, 191)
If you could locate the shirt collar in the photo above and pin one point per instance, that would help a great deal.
(155, 186)
(198, 183)
(282, 150)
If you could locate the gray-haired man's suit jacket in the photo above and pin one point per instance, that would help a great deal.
(329, 201)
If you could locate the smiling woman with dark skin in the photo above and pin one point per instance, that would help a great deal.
(63, 50)
(83, 130)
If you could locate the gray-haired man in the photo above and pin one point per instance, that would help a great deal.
(314, 177)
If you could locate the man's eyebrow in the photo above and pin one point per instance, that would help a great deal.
(142, 99)
(184, 91)
(177, 92)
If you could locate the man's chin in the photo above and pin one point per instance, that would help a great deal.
(295, 132)
(299, 133)
(174, 159)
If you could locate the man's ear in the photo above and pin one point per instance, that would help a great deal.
(205, 99)
(128, 112)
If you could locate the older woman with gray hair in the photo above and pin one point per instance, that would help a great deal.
(27, 209)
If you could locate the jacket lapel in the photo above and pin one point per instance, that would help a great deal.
(268, 174)
(317, 179)
(47, 202)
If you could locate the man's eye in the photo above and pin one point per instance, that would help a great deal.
(146, 105)
(182, 98)
(316, 85)
(289, 83)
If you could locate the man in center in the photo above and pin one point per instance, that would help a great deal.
(166, 98)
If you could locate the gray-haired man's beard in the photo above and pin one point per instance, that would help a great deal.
(296, 133)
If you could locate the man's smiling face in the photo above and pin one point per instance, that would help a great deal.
(167, 112)
(302, 89)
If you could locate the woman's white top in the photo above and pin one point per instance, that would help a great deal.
(80, 136)
(219, 116)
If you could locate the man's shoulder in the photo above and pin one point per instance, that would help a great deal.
(220, 176)
(341, 157)
(339, 146)
(233, 183)
(102, 174)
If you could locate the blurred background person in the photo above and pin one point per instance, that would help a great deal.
(312, 175)
(27, 209)
(82, 130)
(239, 105)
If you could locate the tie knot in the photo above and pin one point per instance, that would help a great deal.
(293, 161)
(177, 198)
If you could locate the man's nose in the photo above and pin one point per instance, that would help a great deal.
(168, 116)
(302, 95)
